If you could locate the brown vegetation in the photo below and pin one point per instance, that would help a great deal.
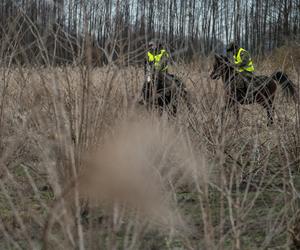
(73, 140)
(119, 30)
(83, 167)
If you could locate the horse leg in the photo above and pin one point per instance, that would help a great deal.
(174, 109)
(270, 111)
(172, 103)
(187, 102)
(224, 111)
(228, 104)
(269, 107)
(161, 105)
(144, 94)
(185, 97)
(237, 112)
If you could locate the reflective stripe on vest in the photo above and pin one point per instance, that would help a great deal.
(237, 59)
(157, 59)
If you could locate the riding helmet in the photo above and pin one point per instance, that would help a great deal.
(231, 47)
(152, 45)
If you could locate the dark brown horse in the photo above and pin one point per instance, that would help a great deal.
(164, 92)
(247, 88)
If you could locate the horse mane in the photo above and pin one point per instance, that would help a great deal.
(222, 58)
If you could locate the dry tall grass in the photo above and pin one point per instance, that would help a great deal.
(82, 167)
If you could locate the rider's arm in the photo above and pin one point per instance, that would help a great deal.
(245, 59)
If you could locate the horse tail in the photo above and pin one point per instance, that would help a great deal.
(286, 84)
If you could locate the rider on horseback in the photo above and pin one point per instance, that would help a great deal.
(156, 69)
(242, 62)
(157, 58)
(242, 59)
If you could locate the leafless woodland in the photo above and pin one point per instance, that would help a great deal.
(83, 167)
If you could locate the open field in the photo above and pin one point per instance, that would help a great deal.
(84, 167)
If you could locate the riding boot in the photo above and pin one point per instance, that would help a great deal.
(244, 81)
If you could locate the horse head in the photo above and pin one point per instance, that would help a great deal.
(220, 66)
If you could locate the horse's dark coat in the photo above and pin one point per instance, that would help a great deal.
(163, 92)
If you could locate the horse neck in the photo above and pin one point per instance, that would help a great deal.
(228, 75)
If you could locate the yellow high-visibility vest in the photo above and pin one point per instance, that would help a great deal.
(237, 59)
(157, 59)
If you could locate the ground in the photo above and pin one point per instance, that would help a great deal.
(82, 165)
